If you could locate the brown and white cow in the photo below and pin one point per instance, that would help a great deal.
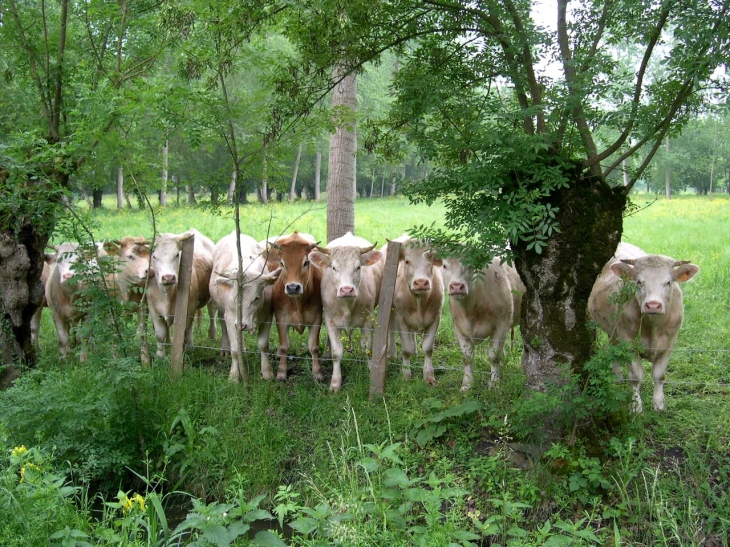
(296, 298)
(256, 308)
(484, 304)
(417, 302)
(49, 262)
(64, 287)
(162, 289)
(133, 271)
(654, 314)
(352, 272)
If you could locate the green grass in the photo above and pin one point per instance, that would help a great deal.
(651, 477)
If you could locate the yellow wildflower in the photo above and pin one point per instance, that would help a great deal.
(140, 501)
(22, 474)
(19, 451)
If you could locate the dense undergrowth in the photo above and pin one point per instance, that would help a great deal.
(109, 453)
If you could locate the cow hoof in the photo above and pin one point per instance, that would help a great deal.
(267, 376)
(430, 381)
(281, 376)
(334, 388)
(465, 388)
(234, 379)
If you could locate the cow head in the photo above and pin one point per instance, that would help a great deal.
(133, 255)
(342, 267)
(292, 255)
(253, 296)
(655, 277)
(458, 278)
(417, 267)
(166, 258)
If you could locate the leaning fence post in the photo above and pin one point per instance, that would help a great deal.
(380, 340)
(182, 301)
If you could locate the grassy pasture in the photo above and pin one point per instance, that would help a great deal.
(210, 438)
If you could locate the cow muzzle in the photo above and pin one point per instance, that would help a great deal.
(347, 291)
(653, 307)
(294, 289)
(420, 285)
(169, 279)
(458, 289)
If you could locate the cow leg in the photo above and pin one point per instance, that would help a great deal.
(408, 348)
(337, 350)
(189, 331)
(212, 313)
(35, 325)
(467, 351)
(392, 350)
(229, 325)
(284, 344)
(429, 339)
(313, 343)
(496, 350)
(162, 333)
(636, 375)
(225, 340)
(142, 333)
(263, 343)
(62, 328)
(658, 370)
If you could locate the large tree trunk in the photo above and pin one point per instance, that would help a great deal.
(97, 195)
(556, 339)
(341, 171)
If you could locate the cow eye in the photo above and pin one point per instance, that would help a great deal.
(306, 263)
(334, 269)
(130, 257)
(408, 262)
(358, 268)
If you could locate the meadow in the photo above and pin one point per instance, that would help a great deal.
(289, 463)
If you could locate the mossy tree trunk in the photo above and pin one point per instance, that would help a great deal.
(556, 338)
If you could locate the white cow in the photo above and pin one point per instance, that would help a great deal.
(417, 302)
(49, 261)
(482, 306)
(162, 289)
(256, 308)
(352, 272)
(654, 314)
(64, 288)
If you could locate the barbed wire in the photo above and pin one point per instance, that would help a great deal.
(479, 353)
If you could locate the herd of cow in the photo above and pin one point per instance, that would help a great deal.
(293, 282)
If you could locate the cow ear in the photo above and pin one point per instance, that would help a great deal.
(142, 249)
(371, 257)
(224, 282)
(320, 259)
(623, 269)
(432, 258)
(685, 272)
(112, 247)
(49, 258)
(271, 277)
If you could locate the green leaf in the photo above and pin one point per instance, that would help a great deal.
(264, 538)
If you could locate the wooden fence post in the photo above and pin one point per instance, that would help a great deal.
(380, 340)
(182, 301)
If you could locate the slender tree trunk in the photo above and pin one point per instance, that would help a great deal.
(392, 184)
(97, 194)
(341, 182)
(318, 175)
(668, 175)
(372, 182)
(190, 192)
(382, 185)
(293, 187)
(264, 190)
(120, 188)
(556, 338)
(714, 155)
(232, 188)
(625, 172)
(163, 192)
